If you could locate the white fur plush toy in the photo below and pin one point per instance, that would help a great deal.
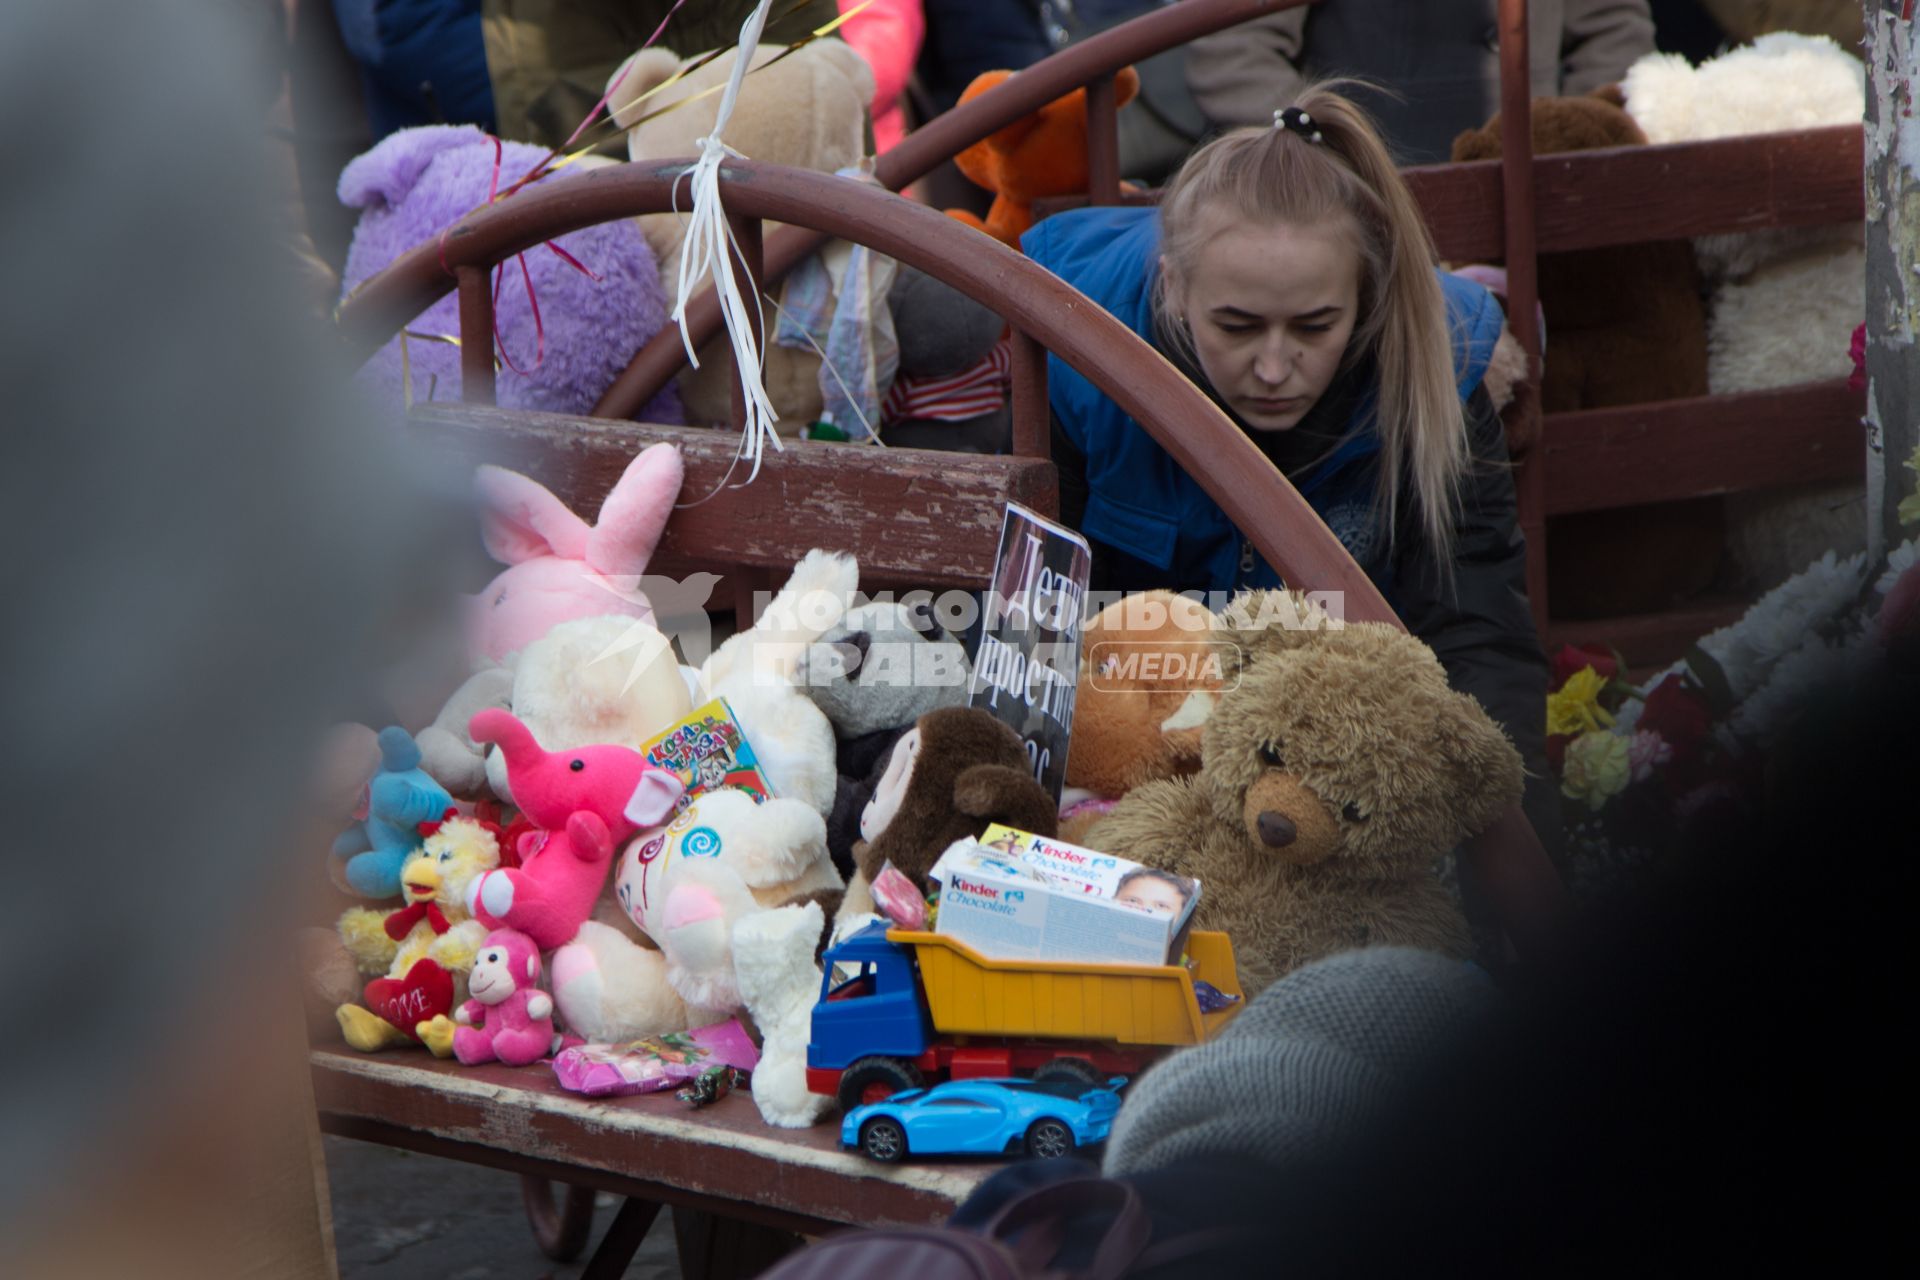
(1784, 303)
(779, 983)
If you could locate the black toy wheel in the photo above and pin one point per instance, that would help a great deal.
(883, 1139)
(875, 1080)
(1049, 1140)
(1070, 1071)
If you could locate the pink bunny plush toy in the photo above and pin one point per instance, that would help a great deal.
(508, 1019)
(559, 568)
(585, 803)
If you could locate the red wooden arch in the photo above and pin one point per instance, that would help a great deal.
(1038, 304)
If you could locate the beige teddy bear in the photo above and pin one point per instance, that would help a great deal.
(1336, 771)
(808, 110)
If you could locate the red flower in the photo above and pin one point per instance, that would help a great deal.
(1572, 659)
(1677, 713)
(1858, 350)
(1899, 620)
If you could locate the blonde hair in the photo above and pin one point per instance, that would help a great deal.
(1269, 174)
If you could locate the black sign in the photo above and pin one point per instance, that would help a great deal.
(1027, 664)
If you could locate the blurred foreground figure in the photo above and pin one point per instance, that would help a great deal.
(207, 544)
(1706, 1081)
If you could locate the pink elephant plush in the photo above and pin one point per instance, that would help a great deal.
(508, 1018)
(559, 567)
(584, 802)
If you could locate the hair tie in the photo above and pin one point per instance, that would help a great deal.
(1298, 122)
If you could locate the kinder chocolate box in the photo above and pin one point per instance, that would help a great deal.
(1007, 907)
(1101, 875)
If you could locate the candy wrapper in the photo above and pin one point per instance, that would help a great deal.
(899, 899)
(656, 1063)
(1210, 998)
(711, 1085)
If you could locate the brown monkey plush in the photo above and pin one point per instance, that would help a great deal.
(954, 774)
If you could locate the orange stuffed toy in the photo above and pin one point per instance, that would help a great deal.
(1136, 718)
(1035, 157)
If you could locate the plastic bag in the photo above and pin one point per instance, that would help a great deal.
(656, 1063)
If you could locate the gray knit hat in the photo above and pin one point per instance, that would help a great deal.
(1306, 1065)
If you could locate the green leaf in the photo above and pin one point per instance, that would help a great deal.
(1712, 680)
(1616, 693)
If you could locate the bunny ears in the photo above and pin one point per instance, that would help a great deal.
(521, 520)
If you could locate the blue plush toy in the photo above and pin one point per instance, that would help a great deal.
(399, 798)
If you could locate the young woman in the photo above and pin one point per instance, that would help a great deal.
(1287, 271)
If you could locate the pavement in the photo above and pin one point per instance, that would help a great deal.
(402, 1216)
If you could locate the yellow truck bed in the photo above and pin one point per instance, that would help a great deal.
(969, 994)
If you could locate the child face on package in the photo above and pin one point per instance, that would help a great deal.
(1150, 890)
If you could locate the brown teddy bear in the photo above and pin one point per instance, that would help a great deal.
(1144, 657)
(1625, 325)
(1336, 772)
(1037, 156)
(958, 771)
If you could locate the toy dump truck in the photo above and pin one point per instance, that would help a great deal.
(921, 1007)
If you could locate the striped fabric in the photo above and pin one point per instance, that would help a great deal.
(980, 388)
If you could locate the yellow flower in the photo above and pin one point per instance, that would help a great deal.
(1576, 707)
(1598, 767)
(1909, 511)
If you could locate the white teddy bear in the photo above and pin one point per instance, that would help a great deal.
(616, 680)
(686, 887)
(1784, 303)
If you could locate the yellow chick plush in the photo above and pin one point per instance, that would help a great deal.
(434, 925)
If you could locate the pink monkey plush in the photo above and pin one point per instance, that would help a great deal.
(508, 1018)
(585, 802)
(559, 568)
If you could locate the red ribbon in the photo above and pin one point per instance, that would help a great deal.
(401, 922)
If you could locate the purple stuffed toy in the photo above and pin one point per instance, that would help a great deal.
(419, 181)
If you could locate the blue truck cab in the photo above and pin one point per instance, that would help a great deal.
(878, 1010)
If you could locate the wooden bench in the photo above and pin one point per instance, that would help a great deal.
(720, 1164)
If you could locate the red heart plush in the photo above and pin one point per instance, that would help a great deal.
(424, 993)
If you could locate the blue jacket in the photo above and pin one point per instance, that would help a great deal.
(421, 61)
(1139, 500)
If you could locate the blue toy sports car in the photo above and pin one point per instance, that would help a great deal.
(985, 1117)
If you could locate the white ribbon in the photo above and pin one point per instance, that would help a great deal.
(704, 253)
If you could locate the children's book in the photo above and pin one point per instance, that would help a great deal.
(709, 752)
